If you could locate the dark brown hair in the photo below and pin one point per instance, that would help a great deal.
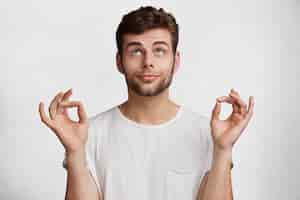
(146, 18)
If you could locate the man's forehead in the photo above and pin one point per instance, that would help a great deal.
(153, 36)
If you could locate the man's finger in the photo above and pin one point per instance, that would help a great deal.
(235, 92)
(80, 109)
(250, 108)
(59, 109)
(53, 105)
(241, 104)
(225, 99)
(216, 111)
(46, 120)
(64, 97)
(230, 100)
(249, 113)
(67, 94)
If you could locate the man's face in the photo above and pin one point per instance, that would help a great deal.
(148, 61)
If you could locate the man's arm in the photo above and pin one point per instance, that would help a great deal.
(216, 184)
(73, 136)
(80, 184)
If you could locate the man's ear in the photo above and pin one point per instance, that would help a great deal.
(119, 63)
(177, 61)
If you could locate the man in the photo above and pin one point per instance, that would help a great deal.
(148, 147)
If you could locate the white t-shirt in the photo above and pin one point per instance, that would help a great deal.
(133, 161)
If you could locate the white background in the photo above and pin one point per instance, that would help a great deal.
(49, 46)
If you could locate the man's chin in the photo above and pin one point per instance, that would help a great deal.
(147, 89)
(146, 93)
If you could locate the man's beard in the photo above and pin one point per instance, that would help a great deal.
(154, 90)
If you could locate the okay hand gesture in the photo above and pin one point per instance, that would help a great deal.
(226, 132)
(72, 134)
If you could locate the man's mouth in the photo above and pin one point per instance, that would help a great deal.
(149, 77)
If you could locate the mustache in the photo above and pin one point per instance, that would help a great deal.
(148, 74)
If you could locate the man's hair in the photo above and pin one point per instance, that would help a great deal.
(146, 18)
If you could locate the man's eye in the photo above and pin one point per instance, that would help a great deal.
(160, 51)
(135, 52)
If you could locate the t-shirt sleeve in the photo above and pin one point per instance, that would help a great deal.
(91, 147)
(209, 144)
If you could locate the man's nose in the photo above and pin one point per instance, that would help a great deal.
(148, 59)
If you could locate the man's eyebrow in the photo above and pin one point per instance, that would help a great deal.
(135, 43)
(161, 42)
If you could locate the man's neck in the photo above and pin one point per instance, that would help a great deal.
(149, 110)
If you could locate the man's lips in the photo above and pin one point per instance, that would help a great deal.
(149, 77)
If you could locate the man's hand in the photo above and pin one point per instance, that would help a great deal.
(226, 132)
(72, 134)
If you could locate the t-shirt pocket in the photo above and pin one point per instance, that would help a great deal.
(182, 185)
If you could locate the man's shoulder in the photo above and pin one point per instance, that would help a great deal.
(197, 121)
(196, 116)
(102, 115)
